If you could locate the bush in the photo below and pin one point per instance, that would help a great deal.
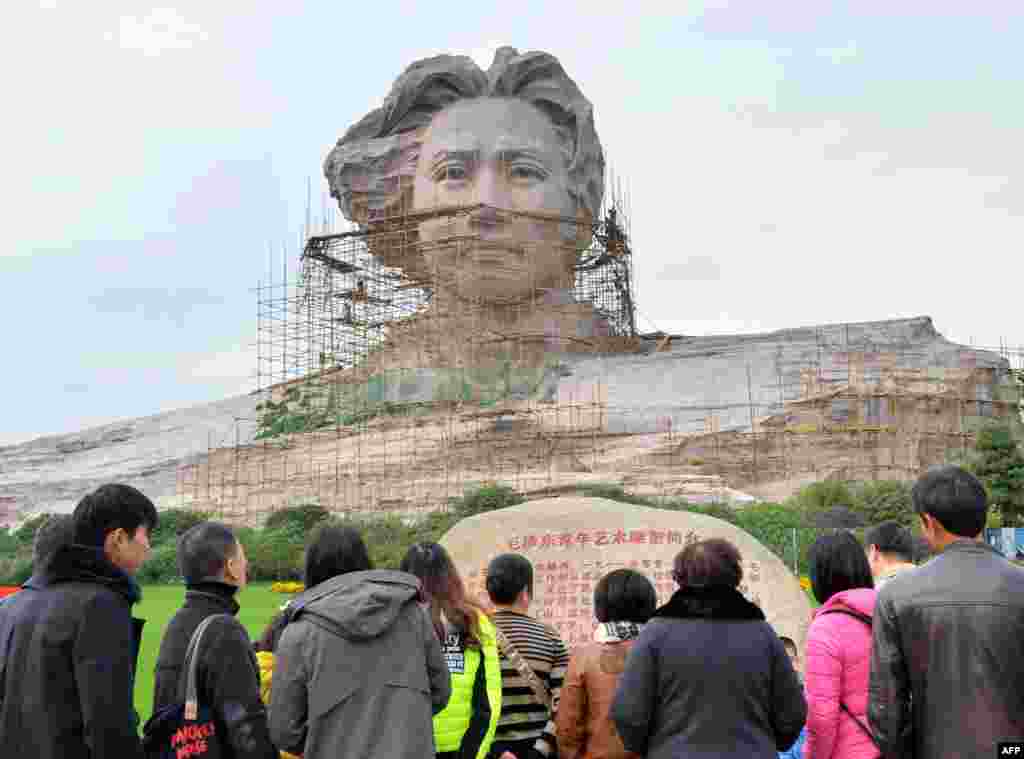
(999, 465)
(838, 517)
(884, 500)
(247, 536)
(772, 524)
(21, 571)
(25, 534)
(722, 511)
(305, 516)
(8, 543)
(276, 552)
(175, 522)
(820, 496)
(162, 565)
(387, 539)
(487, 497)
(15, 569)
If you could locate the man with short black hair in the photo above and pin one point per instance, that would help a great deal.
(214, 566)
(51, 535)
(526, 728)
(947, 659)
(55, 532)
(69, 693)
(890, 549)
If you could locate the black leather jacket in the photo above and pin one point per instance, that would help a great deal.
(947, 661)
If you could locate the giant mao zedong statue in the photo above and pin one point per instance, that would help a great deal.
(500, 175)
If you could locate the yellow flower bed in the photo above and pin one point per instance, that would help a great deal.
(287, 587)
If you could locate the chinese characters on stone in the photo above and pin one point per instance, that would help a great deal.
(597, 538)
(564, 581)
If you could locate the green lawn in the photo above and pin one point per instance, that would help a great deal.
(159, 602)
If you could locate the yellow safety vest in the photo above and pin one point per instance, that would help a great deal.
(451, 724)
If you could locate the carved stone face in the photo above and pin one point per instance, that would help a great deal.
(506, 154)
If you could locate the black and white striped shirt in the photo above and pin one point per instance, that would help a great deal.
(523, 717)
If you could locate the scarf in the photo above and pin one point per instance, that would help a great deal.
(617, 632)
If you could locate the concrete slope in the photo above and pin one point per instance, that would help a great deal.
(682, 384)
(52, 473)
(701, 375)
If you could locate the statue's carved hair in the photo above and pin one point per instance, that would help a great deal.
(370, 170)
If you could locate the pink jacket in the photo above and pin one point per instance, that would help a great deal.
(838, 667)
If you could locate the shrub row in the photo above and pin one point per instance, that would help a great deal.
(275, 550)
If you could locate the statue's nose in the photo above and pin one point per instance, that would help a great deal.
(489, 191)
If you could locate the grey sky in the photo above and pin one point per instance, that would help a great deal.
(785, 168)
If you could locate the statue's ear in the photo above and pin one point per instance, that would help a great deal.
(584, 234)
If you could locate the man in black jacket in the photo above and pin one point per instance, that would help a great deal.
(947, 659)
(213, 564)
(68, 642)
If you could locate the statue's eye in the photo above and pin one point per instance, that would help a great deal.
(525, 172)
(450, 173)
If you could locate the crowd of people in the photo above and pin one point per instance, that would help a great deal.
(900, 659)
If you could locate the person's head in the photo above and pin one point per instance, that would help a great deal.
(272, 633)
(624, 596)
(838, 563)
(708, 563)
(57, 531)
(510, 581)
(791, 651)
(951, 504)
(210, 552)
(888, 544)
(116, 519)
(334, 551)
(444, 587)
(518, 138)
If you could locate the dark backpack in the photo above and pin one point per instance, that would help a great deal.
(866, 620)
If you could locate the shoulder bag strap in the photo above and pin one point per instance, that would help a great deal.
(866, 620)
(191, 662)
(857, 719)
(525, 671)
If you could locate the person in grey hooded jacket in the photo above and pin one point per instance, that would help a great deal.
(359, 670)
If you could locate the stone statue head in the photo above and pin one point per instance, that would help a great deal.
(516, 144)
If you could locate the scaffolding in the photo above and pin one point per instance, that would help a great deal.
(415, 357)
(813, 422)
(358, 288)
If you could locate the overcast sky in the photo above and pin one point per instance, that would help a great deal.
(786, 167)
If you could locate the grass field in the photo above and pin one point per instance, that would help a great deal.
(159, 602)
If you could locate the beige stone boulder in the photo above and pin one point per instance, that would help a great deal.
(574, 541)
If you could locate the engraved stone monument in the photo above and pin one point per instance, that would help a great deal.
(573, 542)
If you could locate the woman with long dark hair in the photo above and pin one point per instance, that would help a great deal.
(358, 669)
(466, 727)
(839, 650)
